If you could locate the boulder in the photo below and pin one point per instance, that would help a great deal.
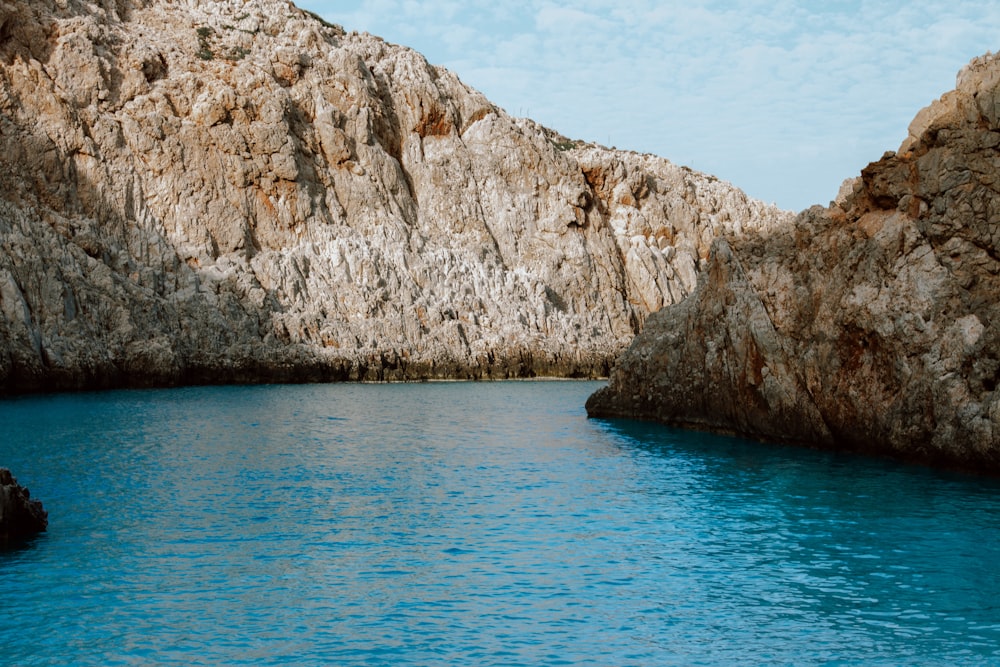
(19, 514)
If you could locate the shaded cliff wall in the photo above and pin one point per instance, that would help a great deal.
(200, 190)
(871, 325)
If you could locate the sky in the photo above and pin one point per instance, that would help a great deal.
(783, 98)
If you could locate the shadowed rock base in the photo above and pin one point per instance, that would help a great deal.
(284, 366)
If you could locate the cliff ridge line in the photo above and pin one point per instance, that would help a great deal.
(233, 191)
(886, 323)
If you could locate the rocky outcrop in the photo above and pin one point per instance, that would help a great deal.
(233, 190)
(871, 325)
(20, 516)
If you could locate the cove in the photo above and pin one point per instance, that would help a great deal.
(473, 523)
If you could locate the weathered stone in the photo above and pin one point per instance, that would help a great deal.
(20, 516)
(872, 325)
(222, 191)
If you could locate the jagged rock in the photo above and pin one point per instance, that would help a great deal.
(215, 190)
(871, 325)
(19, 514)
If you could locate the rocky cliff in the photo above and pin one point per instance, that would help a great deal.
(871, 325)
(234, 190)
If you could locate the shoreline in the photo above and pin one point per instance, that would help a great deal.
(119, 383)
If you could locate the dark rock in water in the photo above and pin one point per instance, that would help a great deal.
(19, 515)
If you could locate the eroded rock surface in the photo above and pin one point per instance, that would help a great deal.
(871, 325)
(20, 516)
(223, 190)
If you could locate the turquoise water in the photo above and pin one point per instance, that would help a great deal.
(473, 524)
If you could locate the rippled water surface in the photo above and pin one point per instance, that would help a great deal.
(473, 524)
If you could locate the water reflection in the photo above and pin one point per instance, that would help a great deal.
(845, 545)
(10, 546)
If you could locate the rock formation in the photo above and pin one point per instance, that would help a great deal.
(871, 325)
(234, 190)
(19, 514)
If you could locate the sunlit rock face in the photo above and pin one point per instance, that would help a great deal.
(870, 325)
(224, 190)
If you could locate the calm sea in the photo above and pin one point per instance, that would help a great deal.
(473, 524)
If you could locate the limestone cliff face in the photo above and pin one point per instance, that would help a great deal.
(233, 190)
(871, 325)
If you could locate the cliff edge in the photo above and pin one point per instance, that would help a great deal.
(237, 191)
(871, 325)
